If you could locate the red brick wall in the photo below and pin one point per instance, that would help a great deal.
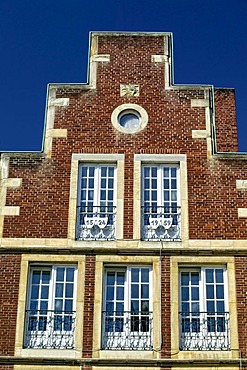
(88, 306)
(9, 283)
(241, 285)
(225, 120)
(44, 195)
(165, 308)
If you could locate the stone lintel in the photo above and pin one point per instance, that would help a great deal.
(199, 103)
(242, 212)
(199, 134)
(9, 210)
(101, 58)
(241, 184)
(62, 132)
(159, 58)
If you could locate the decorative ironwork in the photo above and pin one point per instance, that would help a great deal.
(204, 331)
(49, 329)
(96, 223)
(124, 330)
(161, 223)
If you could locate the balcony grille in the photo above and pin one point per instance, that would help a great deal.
(127, 330)
(204, 331)
(161, 223)
(96, 223)
(49, 329)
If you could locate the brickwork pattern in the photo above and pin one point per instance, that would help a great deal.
(241, 284)
(225, 120)
(88, 306)
(165, 308)
(9, 283)
(6, 367)
(44, 195)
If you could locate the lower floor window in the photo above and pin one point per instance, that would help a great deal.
(50, 313)
(127, 315)
(204, 318)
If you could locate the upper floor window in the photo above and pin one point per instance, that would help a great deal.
(96, 211)
(161, 202)
(50, 313)
(204, 319)
(127, 308)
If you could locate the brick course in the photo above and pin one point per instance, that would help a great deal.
(9, 283)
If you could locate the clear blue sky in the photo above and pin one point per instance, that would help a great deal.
(46, 41)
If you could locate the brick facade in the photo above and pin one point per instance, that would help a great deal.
(182, 121)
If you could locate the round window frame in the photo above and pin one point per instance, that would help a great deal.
(129, 108)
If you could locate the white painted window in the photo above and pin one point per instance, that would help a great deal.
(127, 313)
(51, 305)
(204, 317)
(96, 209)
(160, 202)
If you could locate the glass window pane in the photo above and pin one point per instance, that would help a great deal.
(69, 290)
(111, 171)
(120, 293)
(173, 171)
(145, 306)
(120, 278)
(103, 171)
(219, 292)
(119, 308)
(209, 275)
(58, 304)
(102, 195)
(144, 291)
(91, 183)
(195, 307)
(185, 278)
(35, 292)
(146, 171)
(46, 277)
(195, 294)
(195, 278)
(210, 307)
(166, 171)
(110, 278)
(44, 292)
(220, 306)
(91, 171)
(103, 183)
(166, 195)
(185, 293)
(166, 184)
(70, 274)
(110, 194)
(69, 305)
(59, 290)
(43, 305)
(110, 293)
(135, 306)
(154, 171)
(135, 275)
(173, 195)
(109, 306)
(36, 277)
(185, 307)
(210, 292)
(145, 275)
(174, 184)
(110, 183)
(134, 291)
(60, 273)
(219, 275)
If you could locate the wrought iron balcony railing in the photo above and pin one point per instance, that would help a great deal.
(161, 223)
(49, 329)
(127, 330)
(204, 331)
(96, 223)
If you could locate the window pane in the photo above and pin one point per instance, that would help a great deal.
(120, 293)
(69, 305)
(220, 306)
(145, 275)
(111, 171)
(195, 307)
(58, 304)
(70, 274)
(69, 291)
(209, 275)
(35, 292)
(110, 278)
(210, 291)
(103, 171)
(173, 171)
(110, 293)
(120, 278)
(144, 291)
(135, 306)
(59, 290)
(44, 292)
(195, 278)
(134, 291)
(185, 294)
(166, 171)
(60, 274)
(219, 292)
(135, 275)
(36, 277)
(195, 294)
(210, 307)
(184, 278)
(219, 275)
(145, 306)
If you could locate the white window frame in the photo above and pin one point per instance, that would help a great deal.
(49, 315)
(126, 338)
(203, 339)
(96, 219)
(158, 218)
